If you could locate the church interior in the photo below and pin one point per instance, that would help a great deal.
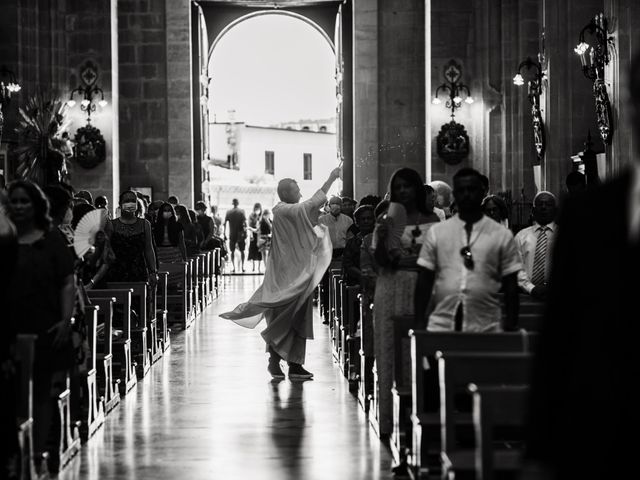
(105, 110)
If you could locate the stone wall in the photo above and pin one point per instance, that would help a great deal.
(88, 37)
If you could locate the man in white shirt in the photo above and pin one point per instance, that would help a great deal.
(535, 246)
(338, 224)
(465, 261)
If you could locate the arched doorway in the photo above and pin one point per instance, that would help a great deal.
(272, 107)
(211, 20)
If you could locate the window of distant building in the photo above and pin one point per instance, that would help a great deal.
(323, 128)
(269, 163)
(307, 166)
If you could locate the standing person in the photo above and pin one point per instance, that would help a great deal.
(395, 244)
(464, 261)
(264, 239)
(217, 221)
(237, 232)
(10, 453)
(300, 253)
(338, 224)
(365, 220)
(169, 236)
(583, 410)
(535, 244)
(191, 240)
(431, 203)
(207, 225)
(495, 208)
(131, 239)
(253, 227)
(41, 300)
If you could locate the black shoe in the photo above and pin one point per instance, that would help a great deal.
(275, 370)
(296, 372)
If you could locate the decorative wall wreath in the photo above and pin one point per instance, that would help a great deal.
(90, 148)
(452, 143)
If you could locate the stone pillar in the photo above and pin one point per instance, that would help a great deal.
(179, 118)
(365, 98)
(89, 28)
(623, 16)
(401, 87)
(568, 99)
(144, 160)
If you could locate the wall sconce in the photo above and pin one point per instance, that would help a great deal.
(594, 59)
(534, 90)
(452, 142)
(88, 90)
(454, 87)
(7, 87)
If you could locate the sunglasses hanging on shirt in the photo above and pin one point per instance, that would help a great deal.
(467, 257)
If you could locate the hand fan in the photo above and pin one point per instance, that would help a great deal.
(88, 226)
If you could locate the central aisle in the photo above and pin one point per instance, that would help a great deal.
(208, 410)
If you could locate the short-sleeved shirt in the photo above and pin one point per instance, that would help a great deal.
(495, 256)
(338, 227)
(237, 221)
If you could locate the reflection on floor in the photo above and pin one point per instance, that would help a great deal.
(209, 410)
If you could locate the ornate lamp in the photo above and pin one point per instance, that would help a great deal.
(89, 144)
(453, 142)
(594, 58)
(88, 90)
(534, 90)
(8, 86)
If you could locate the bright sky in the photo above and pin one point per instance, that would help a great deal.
(272, 69)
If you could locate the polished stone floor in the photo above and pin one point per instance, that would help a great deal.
(208, 410)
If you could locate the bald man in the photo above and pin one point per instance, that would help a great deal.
(300, 253)
(535, 245)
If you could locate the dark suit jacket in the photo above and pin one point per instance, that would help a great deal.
(587, 362)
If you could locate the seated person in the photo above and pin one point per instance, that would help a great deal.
(365, 221)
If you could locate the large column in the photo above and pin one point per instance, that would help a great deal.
(623, 15)
(401, 87)
(90, 28)
(365, 98)
(179, 117)
(569, 103)
(143, 96)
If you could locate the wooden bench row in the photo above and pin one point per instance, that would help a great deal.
(422, 417)
(122, 347)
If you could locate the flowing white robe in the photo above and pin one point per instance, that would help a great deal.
(300, 254)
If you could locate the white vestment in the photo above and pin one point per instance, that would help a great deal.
(300, 254)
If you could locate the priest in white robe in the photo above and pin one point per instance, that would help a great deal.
(300, 254)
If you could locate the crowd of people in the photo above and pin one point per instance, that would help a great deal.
(45, 282)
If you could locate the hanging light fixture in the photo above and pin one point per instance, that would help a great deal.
(534, 91)
(88, 90)
(594, 58)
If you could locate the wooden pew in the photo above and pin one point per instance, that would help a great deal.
(401, 390)
(194, 285)
(121, 348)
(349, 331)
(25, 356)
(70, 441)
(217, 271)
(109, 392)
(162, 315)
(365, 380)
(94, 407)
(425, 394)
(143, 335)
(336, 319)
(455, 372)
(178, 306)
(494, 408)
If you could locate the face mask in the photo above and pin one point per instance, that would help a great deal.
(130, 207)
(166, 215)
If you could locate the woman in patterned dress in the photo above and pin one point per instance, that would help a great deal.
(396, 245)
